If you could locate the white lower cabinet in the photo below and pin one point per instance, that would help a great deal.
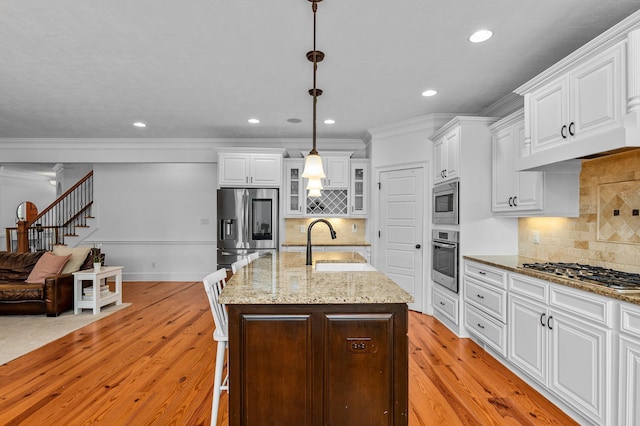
(445, 304)
(629, 407)
(562, 339)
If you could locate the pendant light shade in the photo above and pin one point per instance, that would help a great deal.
(313, 167)
(314, 193)
(314, 183)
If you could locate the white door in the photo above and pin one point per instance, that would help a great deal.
(401, 226)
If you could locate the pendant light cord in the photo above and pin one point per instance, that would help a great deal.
(314, 7)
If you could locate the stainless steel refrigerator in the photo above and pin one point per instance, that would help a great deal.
(247, 222)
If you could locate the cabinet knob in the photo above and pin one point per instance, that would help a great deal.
(418, 246)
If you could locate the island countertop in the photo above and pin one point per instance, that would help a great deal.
(284, 278)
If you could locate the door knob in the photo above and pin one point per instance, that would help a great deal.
(418, 246)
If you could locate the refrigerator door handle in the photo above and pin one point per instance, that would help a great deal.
(245, 210)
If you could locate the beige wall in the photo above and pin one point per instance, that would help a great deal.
(575, 239)
(342, 226)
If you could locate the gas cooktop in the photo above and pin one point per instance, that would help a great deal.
(622, 282)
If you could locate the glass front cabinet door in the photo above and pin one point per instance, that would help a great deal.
(359, 187)
(294, 188)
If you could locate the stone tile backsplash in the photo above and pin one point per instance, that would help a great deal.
(599, 236)
(342, 226)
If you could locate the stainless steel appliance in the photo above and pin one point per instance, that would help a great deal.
(622, 282)
(247, 223)
(445, 259)
(445, 203)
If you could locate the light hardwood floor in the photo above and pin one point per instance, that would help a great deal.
(152, 364)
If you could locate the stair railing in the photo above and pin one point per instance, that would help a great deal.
(58, 220)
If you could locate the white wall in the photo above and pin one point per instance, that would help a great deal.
(14, 190)
(157, 220)
(402, 145)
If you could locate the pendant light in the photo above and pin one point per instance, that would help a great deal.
(313, 169)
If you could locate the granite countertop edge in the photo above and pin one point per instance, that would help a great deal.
(287, 280)
(514, 263)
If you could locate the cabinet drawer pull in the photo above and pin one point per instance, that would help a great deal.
(572, 127)
(480, 296)
(549, 323)
(542, 319)
(481, 326)
(510, 201)
(563, 132)
(442, 303)
(515, 201)
(482, 273)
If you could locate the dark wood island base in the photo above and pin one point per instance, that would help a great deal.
(318, 364)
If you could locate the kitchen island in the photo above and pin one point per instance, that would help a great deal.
(316, 348)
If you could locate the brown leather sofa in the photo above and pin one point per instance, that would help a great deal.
(18, 297)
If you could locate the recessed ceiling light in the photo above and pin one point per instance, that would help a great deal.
(139, 124)
(480, 36)
(429, 92)
(254, 121)
(329, 121)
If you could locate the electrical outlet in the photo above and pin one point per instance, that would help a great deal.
(354, 227)
(536, 237)
(302, 230)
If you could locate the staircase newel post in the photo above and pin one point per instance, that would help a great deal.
(23, 236)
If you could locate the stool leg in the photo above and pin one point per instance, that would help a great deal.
(217, 381)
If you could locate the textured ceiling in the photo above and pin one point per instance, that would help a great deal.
(200, 69)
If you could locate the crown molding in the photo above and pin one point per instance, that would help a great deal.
(428, 123)
(504, 106)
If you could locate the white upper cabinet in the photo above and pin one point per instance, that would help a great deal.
(359, 188)
(249, 170)
(337, 170)
(586, 101)
(586, 104)
(446, 156)
(294, 187)
(528, 193)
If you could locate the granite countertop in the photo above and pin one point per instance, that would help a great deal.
(327, 244)
(514, 264)
(284, 278)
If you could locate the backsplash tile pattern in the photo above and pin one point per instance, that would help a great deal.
(342, 226)
(576, 239)
(617, 204)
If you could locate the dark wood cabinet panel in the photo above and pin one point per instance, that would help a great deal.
(318, 364)
(276, 369)
(358, 369)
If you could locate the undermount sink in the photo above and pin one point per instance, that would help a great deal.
(343, 267)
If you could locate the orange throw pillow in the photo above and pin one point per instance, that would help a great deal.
(48, 264)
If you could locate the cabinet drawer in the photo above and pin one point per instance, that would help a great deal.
(445, 304)
(488, 330)
(490, 300)
(587, 305)
(530, 287)
(486, 273)
(630, 318)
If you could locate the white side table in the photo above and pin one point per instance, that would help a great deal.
(98, 300)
